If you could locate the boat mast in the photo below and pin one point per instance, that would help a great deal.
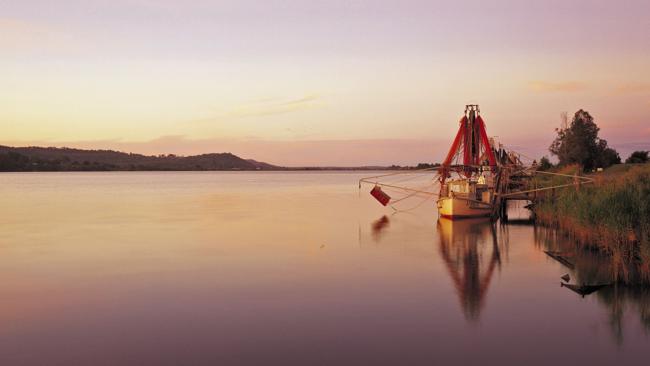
(470, 148)
(472, 143)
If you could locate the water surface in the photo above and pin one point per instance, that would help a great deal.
(207, 268)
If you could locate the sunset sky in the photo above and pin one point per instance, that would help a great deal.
(321, 82)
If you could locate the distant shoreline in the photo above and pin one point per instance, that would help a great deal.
(52, 159)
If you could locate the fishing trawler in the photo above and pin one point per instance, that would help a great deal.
(477, 178)
(468, 173)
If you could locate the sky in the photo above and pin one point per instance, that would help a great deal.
(322, 82)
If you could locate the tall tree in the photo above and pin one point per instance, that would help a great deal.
(578, 143)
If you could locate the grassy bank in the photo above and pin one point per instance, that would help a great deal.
(611, 215)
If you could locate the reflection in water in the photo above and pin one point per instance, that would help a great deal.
(473, 250)
(468, 253)
(617, 299)
(583, 290)
(208, 268)
(588, 267)
(379, 226)
(471, 254)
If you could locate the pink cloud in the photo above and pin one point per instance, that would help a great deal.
(558, 86)
(633, 88)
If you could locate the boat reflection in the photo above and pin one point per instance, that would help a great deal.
(471, 254)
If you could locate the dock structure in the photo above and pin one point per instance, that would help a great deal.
(517, 183)
(514, 183)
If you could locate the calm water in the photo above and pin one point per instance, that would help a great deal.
(288, 269)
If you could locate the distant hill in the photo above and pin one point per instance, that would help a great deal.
(21, 159)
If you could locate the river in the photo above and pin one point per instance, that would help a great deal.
(300, 268)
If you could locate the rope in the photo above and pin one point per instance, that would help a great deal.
(568, 175)
(369, 179)
(405, 188)
(518, 153)
(416, 193)
(414, 207)
(408, 178)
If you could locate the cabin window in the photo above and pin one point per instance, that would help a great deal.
(458, 188)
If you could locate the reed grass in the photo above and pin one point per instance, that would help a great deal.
(611, 215)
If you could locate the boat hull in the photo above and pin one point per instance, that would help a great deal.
(458, 208)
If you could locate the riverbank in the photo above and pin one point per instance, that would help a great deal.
(612, 215)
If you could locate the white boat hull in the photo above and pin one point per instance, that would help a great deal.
(455, 208)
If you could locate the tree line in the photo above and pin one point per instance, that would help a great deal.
(579, 143)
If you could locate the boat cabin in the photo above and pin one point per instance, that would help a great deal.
(476, 189)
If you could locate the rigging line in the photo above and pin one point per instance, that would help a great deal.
(414, 207)
(409, 178)
(368, 179)
(540, 189)
(414, 188)
(432, 178)
(523, 170)
(403, 198)
(568, 175)
(517, 152)
(416, 193)
(402, 188)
